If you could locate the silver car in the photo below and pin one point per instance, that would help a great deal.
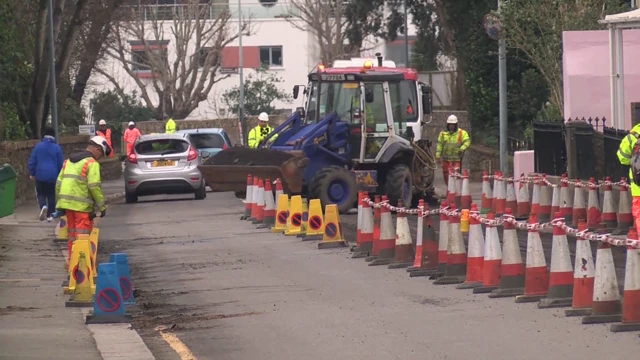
(163, 164)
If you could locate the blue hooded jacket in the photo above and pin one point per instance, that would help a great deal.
(46, 160)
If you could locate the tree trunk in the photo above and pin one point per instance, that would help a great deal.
(97, 35)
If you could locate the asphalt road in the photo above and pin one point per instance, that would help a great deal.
(228, 291)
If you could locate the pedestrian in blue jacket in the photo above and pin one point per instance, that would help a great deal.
(45, 164)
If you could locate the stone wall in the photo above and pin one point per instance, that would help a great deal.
(16, 154)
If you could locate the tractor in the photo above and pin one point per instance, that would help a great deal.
(360, 129)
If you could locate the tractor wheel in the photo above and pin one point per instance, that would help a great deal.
(399, 185)
(334, 185)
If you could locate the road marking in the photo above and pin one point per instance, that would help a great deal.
(178, 346)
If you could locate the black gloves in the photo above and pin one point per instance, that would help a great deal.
(103, 213)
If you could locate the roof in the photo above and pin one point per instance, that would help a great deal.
(375, 73)
(631, 18)
(175, 135)
(203, 130)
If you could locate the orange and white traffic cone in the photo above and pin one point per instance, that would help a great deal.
(593, 207)
(501, 193)
(536, 278)
(404, 244)
(524, 201)
(458, 182)
(606, 306)
(366, 230)
(254, 199)
(496, 190)
(279, 190)
(375, 244)
(248, 200)
(555, 199)
(451, 190)
(579, 206)
(566, 200)
(387, 243)
(485, 203)
(475, 258)
(535, 201)
(259, 216)
(465, 197)
(359, 223)
(456, 253)
(443, 241)
(560, 290)
(269, 207)
(512, 268)
(492, 258)
(426, 258)
(631, 303)
(608, 210)
(625, 218)
(544, 213)
(511, 200)
(583, 276)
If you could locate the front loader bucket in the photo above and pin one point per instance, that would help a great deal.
(228, 170)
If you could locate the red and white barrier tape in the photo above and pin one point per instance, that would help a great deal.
(533, 179)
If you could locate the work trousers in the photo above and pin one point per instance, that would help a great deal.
(447, 167)
(78, 223)
(46, 195)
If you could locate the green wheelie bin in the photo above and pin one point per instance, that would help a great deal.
(7, 190)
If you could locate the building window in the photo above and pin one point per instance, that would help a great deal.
(140, 59)
(271, 56)
(202, 57)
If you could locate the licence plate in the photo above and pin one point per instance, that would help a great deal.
(160, 163)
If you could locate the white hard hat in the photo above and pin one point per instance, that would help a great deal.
(99, 140)
(452, 119)
(102, 122)
(263, 116)
(131, 123)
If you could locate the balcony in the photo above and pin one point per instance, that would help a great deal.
(254, 11)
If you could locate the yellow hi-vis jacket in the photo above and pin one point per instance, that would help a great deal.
(625, 151)
(170, 128)
(257, 134)
(450, 144)
(78, 187)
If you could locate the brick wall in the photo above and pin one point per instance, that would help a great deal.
(16, 154)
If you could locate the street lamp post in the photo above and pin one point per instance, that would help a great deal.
(406, 34)
(52, 73)
(243, 125)
(502, 80)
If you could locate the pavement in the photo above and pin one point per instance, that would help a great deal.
(34, 323)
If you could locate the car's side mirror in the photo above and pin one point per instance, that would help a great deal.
(426, 100)
(205, 154)
(296, 91)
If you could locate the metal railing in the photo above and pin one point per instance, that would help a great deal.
(211, 11)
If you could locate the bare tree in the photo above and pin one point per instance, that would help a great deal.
(196, 31)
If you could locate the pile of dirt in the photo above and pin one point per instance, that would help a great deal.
(248, 157)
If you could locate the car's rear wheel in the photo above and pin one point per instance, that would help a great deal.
(201, 192)
(130, 197)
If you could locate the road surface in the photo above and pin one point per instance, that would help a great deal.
(227, 291)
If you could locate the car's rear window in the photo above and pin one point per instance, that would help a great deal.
(162, 146)
(205, 141)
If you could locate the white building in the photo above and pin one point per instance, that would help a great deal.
(277, 39)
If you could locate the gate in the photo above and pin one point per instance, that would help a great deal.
(550, 154)
(612, 166)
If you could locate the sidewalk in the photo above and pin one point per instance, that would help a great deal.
(34, 323)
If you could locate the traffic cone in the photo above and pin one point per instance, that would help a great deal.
(583, 276)
(248, 201)
(475, 258)
(631, 303)
(376, 230)
(593, 208)
(555, 200)
(458, 182)
(279, 190)
(465, 197)
(80, 245)
(451, 190)
(443, 241)
(544, 214)
(496, 190)
(579, 206)
(608, 210)
(524, 205)
(492, 258)
(358, 223)
(512, 268)
(258, 218)
(387, 242)
(84, 287)
(625, 218)
(269, 218)
(404, 244)
(606, 306)
(560, 290)
(254, 199)
(500, 198)
(536, 278)
(366, 231)
(456, 254)
(295, 217)
(426, 258)
(124, 277)
(535, 201)
(305, 220)
(511, 201)
(332, 229)
(108, 306)
(566, 200)
(282, 214)
(94, 237)
(315, 223)
(485, 203)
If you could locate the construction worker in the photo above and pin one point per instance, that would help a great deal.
(258, 133)
(105, 132)
(626, 152)
(130, 136)
(170, 126)
(452, 143)
(78, 187)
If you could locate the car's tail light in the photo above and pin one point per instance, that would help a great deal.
(192, 154)
(132, 158)
(224, 146)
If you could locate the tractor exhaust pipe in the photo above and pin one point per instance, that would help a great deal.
(379, 57)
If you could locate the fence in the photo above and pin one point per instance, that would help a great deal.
(581, 148)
